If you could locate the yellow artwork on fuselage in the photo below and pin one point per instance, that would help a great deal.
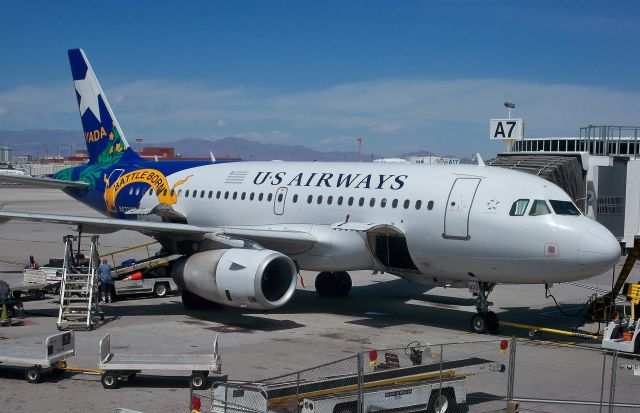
(151, 177)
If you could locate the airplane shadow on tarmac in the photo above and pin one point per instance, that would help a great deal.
(380, 305)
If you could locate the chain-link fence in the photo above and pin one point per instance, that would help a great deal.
(480, 376)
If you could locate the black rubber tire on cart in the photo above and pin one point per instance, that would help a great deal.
(448, 402)
(109, 380)
(160, 290)
(16, 294)
(33, 374)
(11, 312)
(198, 380)
(39, 295)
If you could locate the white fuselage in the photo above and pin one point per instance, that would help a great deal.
(456, 219)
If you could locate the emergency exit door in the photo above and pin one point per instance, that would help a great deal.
(456, 217)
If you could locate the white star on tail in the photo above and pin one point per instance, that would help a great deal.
(88, 89)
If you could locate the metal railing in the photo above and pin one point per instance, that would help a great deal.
(481, 376)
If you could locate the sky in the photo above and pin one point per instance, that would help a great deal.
(402, 75)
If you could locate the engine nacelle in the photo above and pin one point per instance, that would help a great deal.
(259, 279)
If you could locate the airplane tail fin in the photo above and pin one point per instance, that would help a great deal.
(103, 136)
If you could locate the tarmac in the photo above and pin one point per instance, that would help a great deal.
(382, 311)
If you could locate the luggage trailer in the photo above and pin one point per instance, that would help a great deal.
(51, 358)
(118, 367)
(414, 388)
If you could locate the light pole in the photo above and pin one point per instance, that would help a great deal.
(510, 106)
(139, 140)
(359, 149)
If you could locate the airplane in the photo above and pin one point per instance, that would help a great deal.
(247, 228)
(12, 172)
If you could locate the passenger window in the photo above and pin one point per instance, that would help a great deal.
(406, 203)
(164, 192)
(251, 196)
(226, 194)
(201, 194)
(173, 192)
(372, 202)
(329, 200)
(210, 194)
(130, 190)
(319, 199)
(260, 197)
(564, 207)
(186, 193)
(539, 207)
(218, 194)
(350, 201)
(418, 204)
(269, 197)
(309, 199)
(361, 201)
(243, 196)
(383, 202)
(394, 203)
(151, 191)
(179, 192)
(519, 207)
(195, 193)
(340, 200)
(430, 205)
(295, 198)
(235, 194)
(280, 196)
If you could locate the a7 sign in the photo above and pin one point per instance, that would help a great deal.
(506, 129)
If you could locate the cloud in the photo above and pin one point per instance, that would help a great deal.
(439, 115)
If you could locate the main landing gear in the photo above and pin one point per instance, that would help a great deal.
(333, 284)
(485, 321)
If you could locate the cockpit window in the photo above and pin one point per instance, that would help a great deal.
(539, 207)
(519, 207)
(564, 207)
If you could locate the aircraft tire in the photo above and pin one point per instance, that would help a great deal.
(480, 323)
(341, 283)
(324, 284)
(493, 322)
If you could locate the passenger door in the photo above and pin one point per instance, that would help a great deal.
(456, 217)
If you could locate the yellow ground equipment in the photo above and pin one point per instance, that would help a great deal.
(604, 308)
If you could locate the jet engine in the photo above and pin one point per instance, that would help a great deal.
(248, 278)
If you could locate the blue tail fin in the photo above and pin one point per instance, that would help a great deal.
(104, 138)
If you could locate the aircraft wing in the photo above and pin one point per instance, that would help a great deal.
(286, 239)
(43, 182)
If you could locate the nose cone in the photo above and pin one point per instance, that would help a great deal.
(598, 250)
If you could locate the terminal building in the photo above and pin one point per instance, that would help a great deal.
(6, 155)
(600, 170)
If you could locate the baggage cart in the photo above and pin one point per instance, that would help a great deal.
(119, 367)
(57, 349)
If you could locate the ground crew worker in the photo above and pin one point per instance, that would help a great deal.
(106, 282)
(32, 264)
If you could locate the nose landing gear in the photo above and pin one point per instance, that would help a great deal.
(484, 321)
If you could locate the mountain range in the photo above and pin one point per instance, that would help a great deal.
(39, 142)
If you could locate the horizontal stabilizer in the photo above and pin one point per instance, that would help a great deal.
(43, 182)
